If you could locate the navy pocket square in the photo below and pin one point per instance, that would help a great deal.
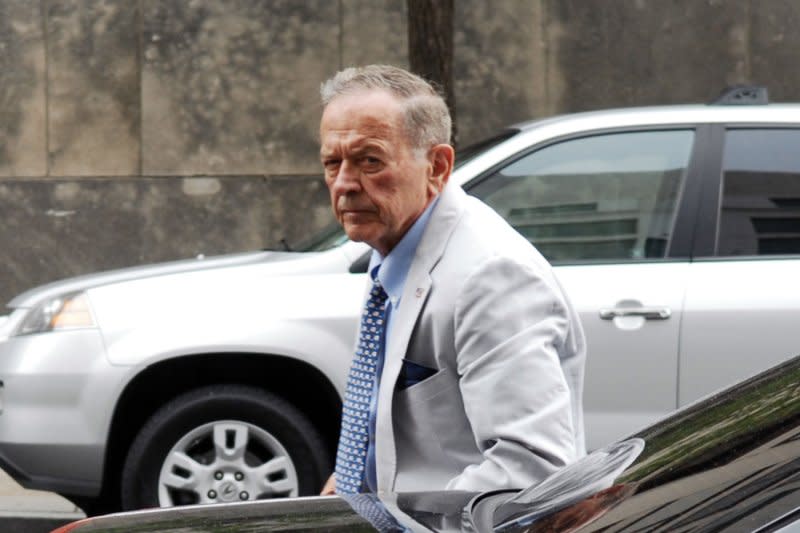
(412, 373)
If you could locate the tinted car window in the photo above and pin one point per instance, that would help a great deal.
(760, 210)
(605, 197)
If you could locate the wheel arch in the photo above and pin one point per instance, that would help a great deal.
(298, 382)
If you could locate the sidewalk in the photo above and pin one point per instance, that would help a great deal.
(32, 511)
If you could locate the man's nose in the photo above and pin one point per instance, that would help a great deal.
(347, 179)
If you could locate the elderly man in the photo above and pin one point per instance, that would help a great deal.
(469, 366)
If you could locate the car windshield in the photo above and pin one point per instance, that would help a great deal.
(329, 237)
(333, 235)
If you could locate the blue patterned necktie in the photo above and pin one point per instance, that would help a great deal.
(351, 457)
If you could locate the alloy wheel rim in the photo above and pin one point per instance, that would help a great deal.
(226, 461)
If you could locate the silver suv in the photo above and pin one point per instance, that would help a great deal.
(675, 230)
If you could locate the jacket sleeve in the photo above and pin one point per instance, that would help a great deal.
(511, 322)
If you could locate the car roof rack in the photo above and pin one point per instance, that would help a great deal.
(742, 95)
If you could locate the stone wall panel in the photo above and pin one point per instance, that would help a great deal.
(297, 210)
(498, 72)
(93, 87)
(775, 44)
(639, 52)
(23, 140)
(65, 227)
(374, 31)
(231, 87)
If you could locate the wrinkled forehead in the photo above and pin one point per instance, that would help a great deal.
(365, 114)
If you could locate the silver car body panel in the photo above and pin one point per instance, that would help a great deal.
(58, 393)
(739, 317)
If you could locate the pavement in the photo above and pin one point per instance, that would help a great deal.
(32, 511)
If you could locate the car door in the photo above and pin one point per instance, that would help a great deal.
(602, 208)
(742, 308)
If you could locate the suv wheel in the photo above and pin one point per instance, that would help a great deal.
(223, 443)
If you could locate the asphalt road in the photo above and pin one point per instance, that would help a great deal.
(32, 511)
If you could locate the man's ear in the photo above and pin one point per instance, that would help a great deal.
(442, 157)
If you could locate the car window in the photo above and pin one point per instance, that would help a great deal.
(328, 237)
(793, 527)
(605, 197)
(760, 208)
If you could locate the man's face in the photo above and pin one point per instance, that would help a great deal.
(379, 184)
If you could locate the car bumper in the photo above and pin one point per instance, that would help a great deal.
(57, 396)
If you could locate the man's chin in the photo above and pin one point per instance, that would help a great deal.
(358, 233)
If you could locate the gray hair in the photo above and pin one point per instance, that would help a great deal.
(427, 119)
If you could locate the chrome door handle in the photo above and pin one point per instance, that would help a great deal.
(648, 313)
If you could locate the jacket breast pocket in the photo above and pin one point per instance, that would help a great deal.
(434, 384)
(413, 373)
(423, 415)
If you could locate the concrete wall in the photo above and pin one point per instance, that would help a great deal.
(144, 130)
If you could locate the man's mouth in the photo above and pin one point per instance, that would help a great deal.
(355, 213)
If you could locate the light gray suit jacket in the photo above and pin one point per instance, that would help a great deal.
(482, 309)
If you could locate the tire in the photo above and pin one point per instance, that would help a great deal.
(223, 443)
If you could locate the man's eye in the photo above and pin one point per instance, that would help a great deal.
(331, 163)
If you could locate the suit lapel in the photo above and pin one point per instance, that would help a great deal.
(418, 284)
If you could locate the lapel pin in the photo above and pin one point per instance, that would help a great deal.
(420, 292)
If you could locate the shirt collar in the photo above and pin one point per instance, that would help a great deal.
(392, 270)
